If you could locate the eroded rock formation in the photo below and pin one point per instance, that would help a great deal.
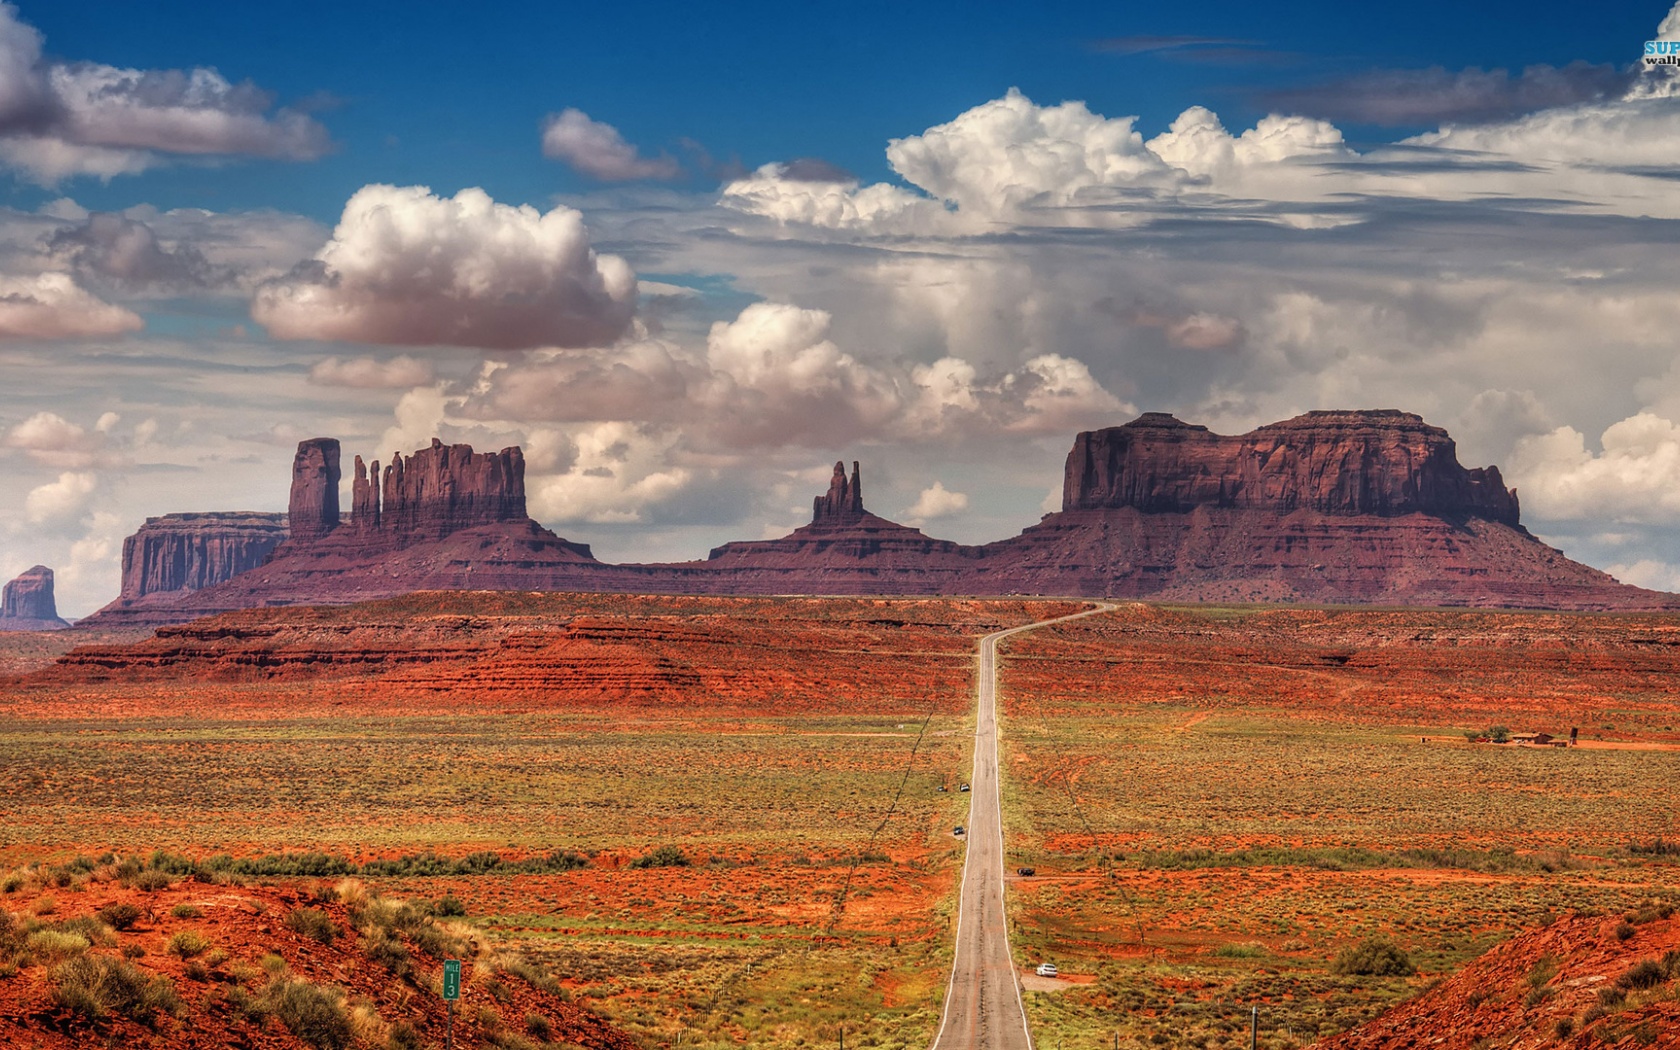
(844, 500)
(314, 498)
(1384, 463)
(1329, 507)
(189, 552)
(27, 602)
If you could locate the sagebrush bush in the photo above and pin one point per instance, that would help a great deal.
(1645, 973)
(1374, 957)
(185, 911)
(450, 906)
(314, 1014)
(119, 915)
(663, 857)
(95, 987)
(312, 923)
(188, 943)
(55, 944)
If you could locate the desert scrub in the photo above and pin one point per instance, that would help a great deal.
(95, 987)
(312, 923)
(1374, 957)
(187, 943)
(185, 911)
(314, 1014)
(52, 945)
(663, 857)
(120, 915)
(1646, 973)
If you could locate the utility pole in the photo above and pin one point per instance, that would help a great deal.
(1253, 1027)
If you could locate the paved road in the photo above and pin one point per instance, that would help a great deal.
(983, 1003)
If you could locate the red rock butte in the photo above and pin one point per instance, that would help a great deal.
(27, 602)
(1349, 507)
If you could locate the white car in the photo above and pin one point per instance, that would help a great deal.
(1047, 969)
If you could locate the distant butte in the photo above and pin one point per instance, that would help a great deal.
(27, 603)
(1346, 507)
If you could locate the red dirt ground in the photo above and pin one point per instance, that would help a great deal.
(519, 651)
(247, 923)
(1518, 994)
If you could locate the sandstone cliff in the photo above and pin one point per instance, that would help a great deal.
(1384, 463)
(27, 603)
(189, 552)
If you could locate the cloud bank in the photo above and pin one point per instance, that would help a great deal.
(61, 119)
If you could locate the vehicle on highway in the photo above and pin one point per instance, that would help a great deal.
(959, 830)
(1047, 969)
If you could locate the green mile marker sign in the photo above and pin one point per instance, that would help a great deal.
(452, 979)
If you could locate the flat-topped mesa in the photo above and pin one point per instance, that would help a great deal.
(1384, 463)
(189, 552)
(438, 490)
(29, 598)
(844, 501)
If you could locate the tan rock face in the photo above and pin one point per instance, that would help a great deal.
(1382, 463)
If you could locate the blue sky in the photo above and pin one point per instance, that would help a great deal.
(688, 256)
(442, 94)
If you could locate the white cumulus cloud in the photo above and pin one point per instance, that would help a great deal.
(1635, 478)
(406, 267)
(599, 151)
(936, 501)
(63, 500)
(54, 306)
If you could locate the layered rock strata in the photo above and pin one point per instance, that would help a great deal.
(27, 602)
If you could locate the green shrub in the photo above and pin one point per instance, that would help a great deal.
(1374, 957)
(1246, 950)
(388, 952)
(1625, 931)
(185, 911)
(539, 1026)
(188, 943)
(1499, 734)
(663, 857)
(152, 881)
(312, 923)
(120, 915)
(403, 1037)
(1645, 973)
(95, 987)
(89, 927)
(132, 950)
(450, 906)
(314, 1014)
(56, 944)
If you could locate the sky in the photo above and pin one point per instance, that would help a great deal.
(688, 255)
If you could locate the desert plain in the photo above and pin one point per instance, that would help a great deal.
(718, 822)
